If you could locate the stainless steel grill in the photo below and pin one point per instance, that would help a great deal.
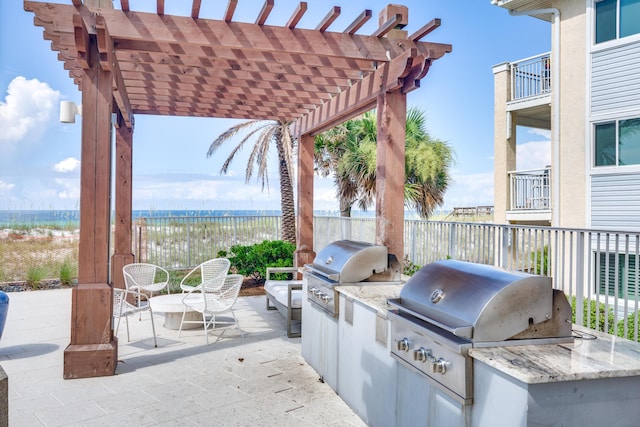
(450, 306)
(348, 262)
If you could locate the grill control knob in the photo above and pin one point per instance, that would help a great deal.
(439, 366)
(403, 344)
(312, 291)
(422, 355)
(325, 298)
(317, 292)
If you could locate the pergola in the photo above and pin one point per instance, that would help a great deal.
(128, 63)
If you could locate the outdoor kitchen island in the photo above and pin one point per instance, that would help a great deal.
(593, 381)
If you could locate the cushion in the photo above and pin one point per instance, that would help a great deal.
(279, 290)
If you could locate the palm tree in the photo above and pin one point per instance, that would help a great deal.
(266, 133)
(348, 152)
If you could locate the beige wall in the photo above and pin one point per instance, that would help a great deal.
(504, 149)
(573, 123)
(570, 133)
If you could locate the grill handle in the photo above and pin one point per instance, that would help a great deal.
(318, 270)
(463, 331)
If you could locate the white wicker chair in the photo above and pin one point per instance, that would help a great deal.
(214, 297)
(123, 308)
(208, 270)
(142, 277)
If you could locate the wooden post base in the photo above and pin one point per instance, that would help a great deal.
(93, 350)
(303, 255)
(91, 360)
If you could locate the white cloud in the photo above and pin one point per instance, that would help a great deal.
(69, 189)
(6, 187)
(469, 190)
(533, 155)
(545, 133)
(28, 106)
(69, 164)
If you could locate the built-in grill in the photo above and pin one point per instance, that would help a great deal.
(450, 306)
(348, 262)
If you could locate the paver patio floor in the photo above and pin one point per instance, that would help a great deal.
(258, 380)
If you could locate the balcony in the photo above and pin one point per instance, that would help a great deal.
(530, 97)
(531, 77)
(530, 197)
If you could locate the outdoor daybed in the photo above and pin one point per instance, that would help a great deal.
(285, 296)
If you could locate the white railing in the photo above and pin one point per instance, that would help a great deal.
(184, 242)
(530, 190)
(531, 77)
(596, 268)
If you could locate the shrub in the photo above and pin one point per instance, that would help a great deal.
(68, 272)
(252, 261)
(409, 268)
(34, 276)
(632, 325)
(591, 307)
(540, 260)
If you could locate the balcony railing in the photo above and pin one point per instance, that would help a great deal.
(531, 77)
(530, 190)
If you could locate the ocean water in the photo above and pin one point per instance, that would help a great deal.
(68, 218)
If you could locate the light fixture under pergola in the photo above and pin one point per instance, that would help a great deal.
(131, 63)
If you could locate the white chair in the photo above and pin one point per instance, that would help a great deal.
(123, 308)
(214, 297)
(142, 277)
(208, 270)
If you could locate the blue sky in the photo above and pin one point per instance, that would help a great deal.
(39, 156)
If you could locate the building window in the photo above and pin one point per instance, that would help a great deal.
(617, 143)
(616, 275)
(616, 19)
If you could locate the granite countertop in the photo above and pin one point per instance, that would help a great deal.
(594, 356)
(606, 356)
(374, 296)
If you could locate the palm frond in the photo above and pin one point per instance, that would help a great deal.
(230, 133)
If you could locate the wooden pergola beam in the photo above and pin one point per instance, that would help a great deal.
(194, 73)
(231, 8)
(264, 13)
(297, 15)
(187, 33)
(81, 39)
(387, 26)
(426, 29)
(152, 95)
(186, 53)
(108, 62)
(188, 64)
(328, 19)
(359, 22)
(195, 9)
(360, 97)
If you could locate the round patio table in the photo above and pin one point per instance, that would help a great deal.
(172, 307)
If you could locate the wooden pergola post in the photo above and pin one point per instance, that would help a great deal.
(391, 107)
(123, 201)
(304, 253)
(93, 349)
(392, 118)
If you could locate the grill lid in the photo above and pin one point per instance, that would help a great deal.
(474, 301)
(349, 261)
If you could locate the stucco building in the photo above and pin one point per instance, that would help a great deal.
(586, 92)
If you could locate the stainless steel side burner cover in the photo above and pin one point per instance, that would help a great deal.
(477, 302)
